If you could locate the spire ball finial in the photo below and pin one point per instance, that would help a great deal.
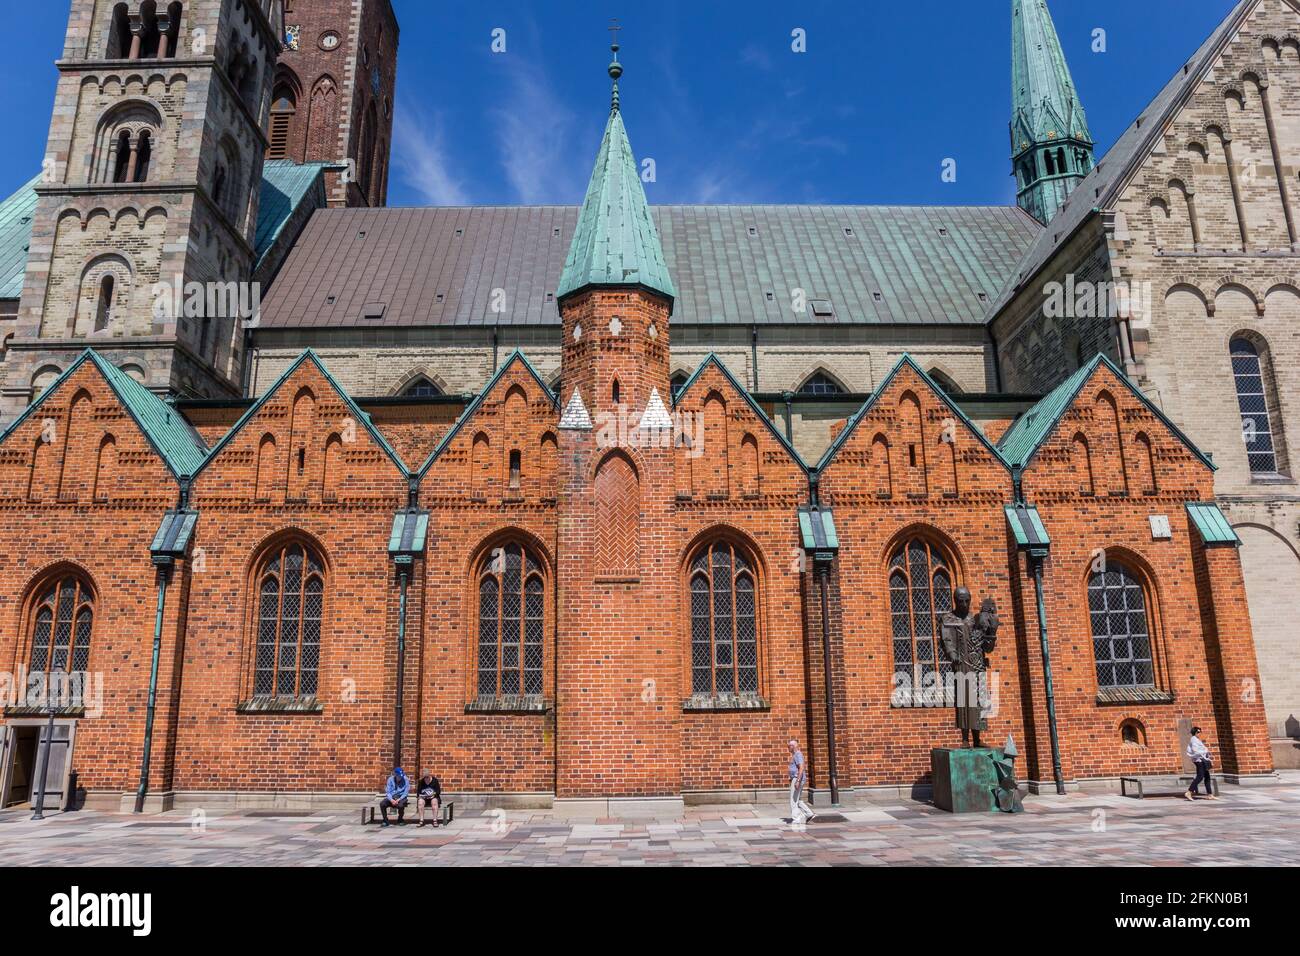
(615, 68)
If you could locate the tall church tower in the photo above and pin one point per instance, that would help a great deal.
(618, 682)
(333, 97)
(1051, 147)
(150, 191)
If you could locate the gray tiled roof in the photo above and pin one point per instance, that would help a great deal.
(1108, 179)
(438, 266)
(15, 234)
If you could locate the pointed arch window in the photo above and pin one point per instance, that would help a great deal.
(724, 621)
(821, 384)
(511, 623)
(945, 382)
(678, 383)
(62, 622)
(921, 582)
(1256, 400)
(284, 106)
(421, 387)
(1121, 628)
(290, 605)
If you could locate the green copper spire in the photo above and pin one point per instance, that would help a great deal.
(616, 242)
(1051, 147)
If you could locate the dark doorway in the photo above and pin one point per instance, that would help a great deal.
(24, 767)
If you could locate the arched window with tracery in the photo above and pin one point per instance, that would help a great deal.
(921, 582)
(62, 621)
(421, 387)
(290, 602)
(511, 622)
(1257, 402)
(724, 621)
(1121, 628)
(821, 384)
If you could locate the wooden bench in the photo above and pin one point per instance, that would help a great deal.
(446, 810)
(1138, 784)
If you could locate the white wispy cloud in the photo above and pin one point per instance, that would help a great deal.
(421, 157)
(534, 131)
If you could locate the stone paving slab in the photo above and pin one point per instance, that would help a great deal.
(1245, 828)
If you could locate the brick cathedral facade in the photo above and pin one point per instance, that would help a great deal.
(605, 575)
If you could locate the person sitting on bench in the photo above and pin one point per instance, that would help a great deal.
(395, 794)
(429, 794)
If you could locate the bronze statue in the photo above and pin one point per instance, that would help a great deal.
(966, 639)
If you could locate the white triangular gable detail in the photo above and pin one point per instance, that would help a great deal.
(655, 415)
(575, 414)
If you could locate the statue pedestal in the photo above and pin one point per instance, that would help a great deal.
(964, 779)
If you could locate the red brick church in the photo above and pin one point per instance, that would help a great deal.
(617, 589)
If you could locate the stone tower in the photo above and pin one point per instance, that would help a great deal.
(618, 682)
(1051, 147)
(333, 96)
(142, 238)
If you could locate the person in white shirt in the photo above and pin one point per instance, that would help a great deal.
(1201, 760)
(800, 812)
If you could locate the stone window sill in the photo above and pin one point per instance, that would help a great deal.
(725, 702)
(280, 705)
(1134, 695)
(1272, 480)
(508, 704)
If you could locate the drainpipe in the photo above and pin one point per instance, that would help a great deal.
(403, 550)
(823, 563)
(1036, 558)
(164, 561)
(164, 572)
(788, 398)
(1047, 673)
(753, 352)
(496, 347)
(403, 574)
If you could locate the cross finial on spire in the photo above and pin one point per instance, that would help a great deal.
(615, 68)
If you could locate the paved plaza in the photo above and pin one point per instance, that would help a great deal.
(1247, 827)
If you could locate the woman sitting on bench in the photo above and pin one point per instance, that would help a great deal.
(429, 794)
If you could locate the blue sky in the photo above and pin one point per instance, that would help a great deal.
(712, 92)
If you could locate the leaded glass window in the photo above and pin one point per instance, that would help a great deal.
(511, 623)
(920, 594)
(724, 622)
(291, 594)
(1252, 401)
(61, 625)
(1121, 630)
(421, 388)
(821, 384)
